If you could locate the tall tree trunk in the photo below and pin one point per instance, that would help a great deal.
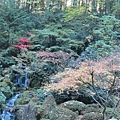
(107, 2)
(78, 3)
(64, 4)
(100, 7)
(94, 9)
(82, 2)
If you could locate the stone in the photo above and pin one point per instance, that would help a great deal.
(91, 108)
(40, 112)
(60, 113)
(92, 116)
(48, 105)
(26, 112)
(73, 105)
(79, 117)
(25, 97)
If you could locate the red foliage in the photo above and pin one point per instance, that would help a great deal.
(55, 58)
(23, 43)
(105, 71)
(45, 54)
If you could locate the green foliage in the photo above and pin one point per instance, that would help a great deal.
(41, 65)
(6, 87)
(9, 19)
(55, 37)
(105, 36)
(57, 34)
(100, 48)
(107, 29)
(74, 12)
(116, 9)
(42, 94)
(14, 23)
(6, 61)
(2, 99)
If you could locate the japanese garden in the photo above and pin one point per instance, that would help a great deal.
(59, 59)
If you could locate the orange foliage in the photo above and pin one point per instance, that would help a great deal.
(104, 70)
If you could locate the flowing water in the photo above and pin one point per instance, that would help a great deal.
(11, 101)
(8, 114)
(26, 76)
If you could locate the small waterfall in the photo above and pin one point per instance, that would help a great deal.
(26, 77)
(11, 101)
(19, 81)
(6, 115)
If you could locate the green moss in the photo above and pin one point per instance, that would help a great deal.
(60, 113)
(6, 89)
(92, 116)
(2, 99)
(25, 98)
(74, 105)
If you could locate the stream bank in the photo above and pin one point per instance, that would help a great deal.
(19, 83)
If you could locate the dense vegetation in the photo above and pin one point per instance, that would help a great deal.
(50, 36)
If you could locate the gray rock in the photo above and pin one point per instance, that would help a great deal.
(60, 113)
(48, 105)
(27, 112)
(73, 105)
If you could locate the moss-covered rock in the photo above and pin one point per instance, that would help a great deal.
(91, 108)
(26, 112)
(60, 113)
(40, 112)
(79, 117)
(2, 99)
(48, 105)
(26, 97)
(74, 105)
(6, 87)
(92, 116)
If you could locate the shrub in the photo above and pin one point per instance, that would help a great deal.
(105, 72)
(14, 23)
(22, 44)
(41, 65)
(98, 79)
(58, 58)
(105, 36)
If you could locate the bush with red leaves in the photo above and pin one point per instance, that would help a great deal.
(22, 44)
(58, 58)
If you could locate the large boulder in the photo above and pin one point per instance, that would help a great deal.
(79, 117)
(48, 105)
(60, 113)
(92, 116)
(26, 112)
(90, 108)
(72, 94)
(26, 97)
(50, 110)
(74, 105)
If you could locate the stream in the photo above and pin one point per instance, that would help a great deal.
(21, 82)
